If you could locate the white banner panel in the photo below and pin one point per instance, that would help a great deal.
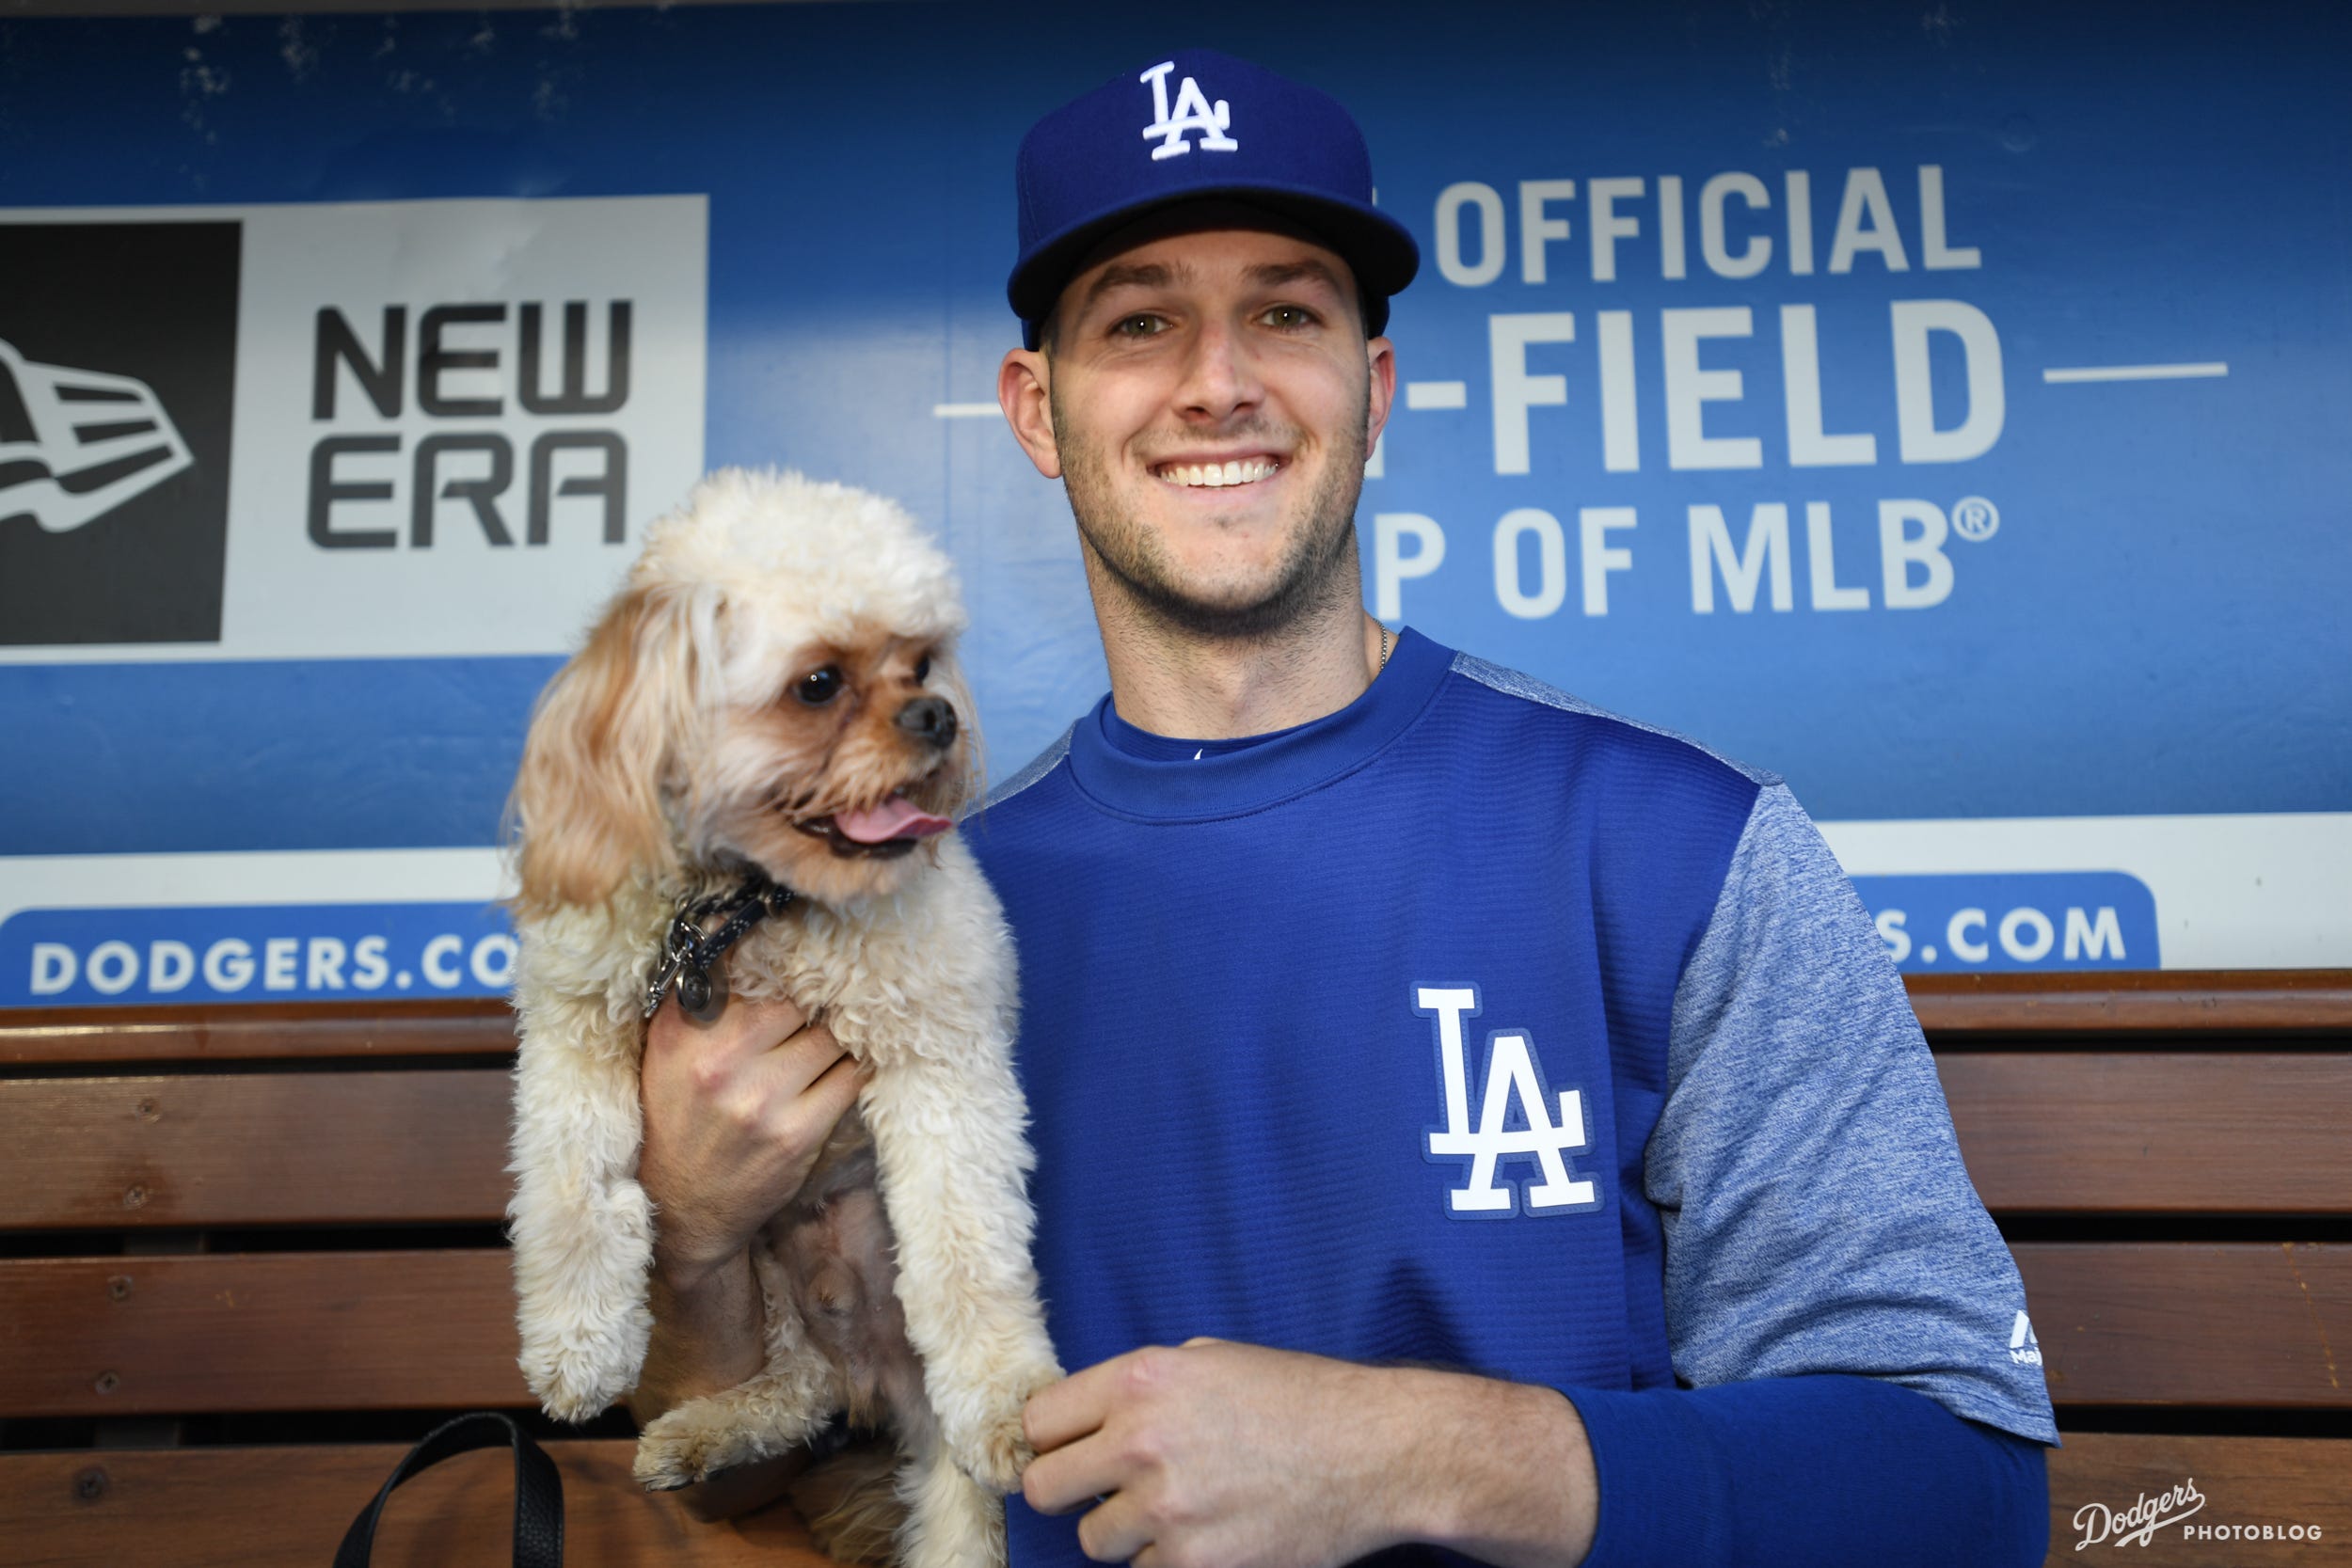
(2228, 891)
(451, 419)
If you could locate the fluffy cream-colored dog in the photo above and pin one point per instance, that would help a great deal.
(774, 691)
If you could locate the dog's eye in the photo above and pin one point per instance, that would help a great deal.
(819, 686)
(922, 669)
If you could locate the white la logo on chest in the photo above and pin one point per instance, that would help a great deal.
(1194, 112)
(1512, 1079)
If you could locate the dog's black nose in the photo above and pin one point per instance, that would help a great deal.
(930, 719)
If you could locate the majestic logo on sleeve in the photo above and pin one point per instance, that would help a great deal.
(1194, 113)
(2025, 1348)
(1514, 1119)
(76, 444)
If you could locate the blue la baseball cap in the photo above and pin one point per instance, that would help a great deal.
(1199, 124)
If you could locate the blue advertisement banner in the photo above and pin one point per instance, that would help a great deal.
(1945, 410)
(116, 956)
(277, 953)
(2048, 920)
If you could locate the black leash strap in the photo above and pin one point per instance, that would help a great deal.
(538, 1489)
(688, 958)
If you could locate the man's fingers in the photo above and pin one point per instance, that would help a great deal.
(769, 1024)
(741, 1027)
(835, 1090)
(792, 1067)
(1073, 1477)
(1067, 1411)
(1115, 1533)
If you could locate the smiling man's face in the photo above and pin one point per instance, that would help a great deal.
(1212, 400)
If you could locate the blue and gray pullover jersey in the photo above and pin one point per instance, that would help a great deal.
(1473, 1026)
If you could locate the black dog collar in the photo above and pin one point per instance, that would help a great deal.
(688, 958)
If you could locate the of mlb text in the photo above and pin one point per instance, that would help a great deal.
(1685, 385)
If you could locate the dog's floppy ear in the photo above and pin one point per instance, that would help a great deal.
(587, 801)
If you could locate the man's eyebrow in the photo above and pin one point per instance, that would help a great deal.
(1121, 275)
(1274, 275)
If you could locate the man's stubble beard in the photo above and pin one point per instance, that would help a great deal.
(1319, 567)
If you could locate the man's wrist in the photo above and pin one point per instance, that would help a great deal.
(687, 1274)
(1500, 1471)
(683, 1279)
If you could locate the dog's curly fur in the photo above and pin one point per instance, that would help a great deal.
(779, 660)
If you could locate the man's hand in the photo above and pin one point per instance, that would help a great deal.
(1243, 1457)
(735, 1111)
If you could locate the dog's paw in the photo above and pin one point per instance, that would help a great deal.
(689, 1445)
(573, 1387)
(995, 1454)
(667, 1460)
(982, 1429)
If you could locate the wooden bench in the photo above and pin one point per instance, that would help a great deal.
(248, 1254)
(247, 1257)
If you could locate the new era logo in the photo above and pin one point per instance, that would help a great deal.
(117, 389)
(76, 444)
(1194, 113)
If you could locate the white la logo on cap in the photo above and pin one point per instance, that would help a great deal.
(1194, 112)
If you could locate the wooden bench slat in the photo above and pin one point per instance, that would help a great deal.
(2314, 1000)
(2080, 1131)
(266, 1149)
(2117, 1133)
(2170, 1322)
(194, 1506)
(191, 1507)
(2303, 1000)
(258, 1331)
(2245, 1480)
(257, 1031)
(2119, 1323)
(289, 1507)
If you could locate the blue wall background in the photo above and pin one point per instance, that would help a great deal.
(2157, 629)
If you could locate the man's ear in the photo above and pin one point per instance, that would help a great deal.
(1381, 395)
(1023, 382)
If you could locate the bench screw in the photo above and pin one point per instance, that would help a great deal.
(118, 1287)
(148, 1110)
(136, 1198)
(90, 1484)
(107, 1382)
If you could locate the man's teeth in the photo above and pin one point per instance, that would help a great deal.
(1241, 472)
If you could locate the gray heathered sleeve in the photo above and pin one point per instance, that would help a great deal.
(1816, 1215)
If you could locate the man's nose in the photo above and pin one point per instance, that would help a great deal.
(1221, 374)
(929, 720)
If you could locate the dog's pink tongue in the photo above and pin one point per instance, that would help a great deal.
(897, 817)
